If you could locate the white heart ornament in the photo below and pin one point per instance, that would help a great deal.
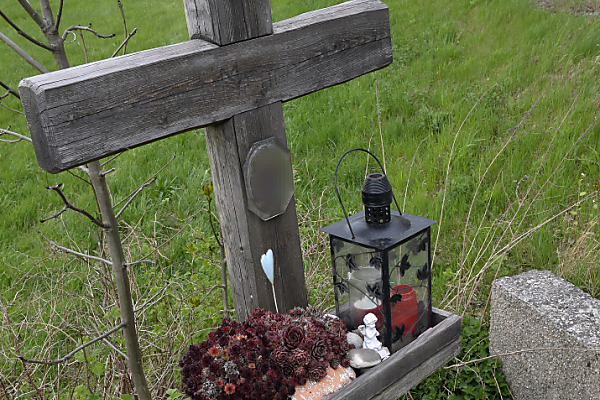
(267, 262)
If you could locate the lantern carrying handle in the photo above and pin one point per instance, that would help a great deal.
(338, 192)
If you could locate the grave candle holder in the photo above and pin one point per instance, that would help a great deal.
(381, 263)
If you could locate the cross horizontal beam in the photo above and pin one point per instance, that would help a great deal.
(94, 110)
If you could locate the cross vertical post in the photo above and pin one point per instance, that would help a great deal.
(246, 237)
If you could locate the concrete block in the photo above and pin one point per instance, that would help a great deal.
(538, 310)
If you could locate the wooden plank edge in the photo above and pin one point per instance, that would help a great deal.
(420, 373)
(52, 157)
(34, 102)
(404, 360)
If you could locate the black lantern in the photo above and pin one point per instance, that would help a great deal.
(382, 264)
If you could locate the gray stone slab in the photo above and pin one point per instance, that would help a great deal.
(538, 310)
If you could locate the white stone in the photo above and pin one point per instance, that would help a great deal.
(354, 339)
(363, 358)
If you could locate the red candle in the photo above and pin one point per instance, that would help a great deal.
(405, 311)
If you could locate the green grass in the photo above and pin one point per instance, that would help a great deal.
(497, 83)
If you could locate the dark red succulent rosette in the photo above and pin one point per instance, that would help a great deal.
(265, 357)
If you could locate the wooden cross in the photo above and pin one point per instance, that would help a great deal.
(232, 79)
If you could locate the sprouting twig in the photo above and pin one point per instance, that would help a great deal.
(39, 20)
(462, 364)
(124, 44)
(71, 251)
(72, 353)
(69, 205)
(18, 135)
(25, 35)
(23, 53)
(84, 28)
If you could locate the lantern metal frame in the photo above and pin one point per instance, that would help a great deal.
(379, 240)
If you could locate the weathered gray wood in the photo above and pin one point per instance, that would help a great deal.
(420, 373)
(246, 236)
(436, 346)
(94, 110)
(228, 21)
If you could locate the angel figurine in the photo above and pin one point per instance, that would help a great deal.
(370, 333)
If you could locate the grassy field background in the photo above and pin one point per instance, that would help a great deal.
(487, 123)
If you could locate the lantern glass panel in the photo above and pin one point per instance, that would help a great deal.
(357, 282)
(410, 288)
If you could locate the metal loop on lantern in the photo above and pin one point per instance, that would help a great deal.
(338, 193)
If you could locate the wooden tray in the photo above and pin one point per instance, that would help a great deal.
(407, 367)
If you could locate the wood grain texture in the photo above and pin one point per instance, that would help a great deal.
(436, 346)
(98, 109)
(420, 373)
(228, 21)
(247, 237)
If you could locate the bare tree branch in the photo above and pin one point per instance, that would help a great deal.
(23, 53)
(10, 90)
(83, 45)
(72, 353)
(110, 159)
(109, 343)
(125, 36)
(34, 14)
(15, 341)
(71, 251)
(104, 173)
(69, 205)
(25, 35)
(79, 177)
(11, 109)
(135, 193)
(59, 14)
(18, 135)
(139, 262)
(148, 182)
(47, 13)
(124, 44)
(84, 28)
(151, 299)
